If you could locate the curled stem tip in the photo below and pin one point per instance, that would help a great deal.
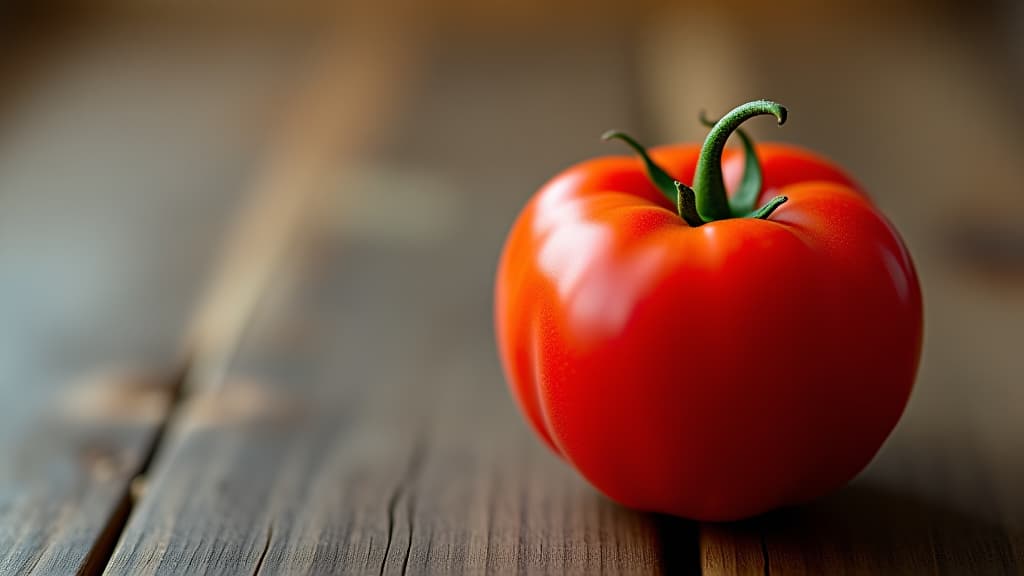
(743, 198)
(765, 211)
(708, 183)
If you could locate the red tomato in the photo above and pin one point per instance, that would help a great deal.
(714, 371)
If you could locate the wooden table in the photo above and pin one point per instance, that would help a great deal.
(246, 277)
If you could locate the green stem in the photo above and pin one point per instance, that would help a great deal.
(662, 181)
(765, 211)
(686, 204)
(744, 199)
(708, 183)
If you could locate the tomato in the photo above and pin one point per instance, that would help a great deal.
(702, 358)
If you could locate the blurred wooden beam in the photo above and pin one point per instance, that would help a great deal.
(353, 87)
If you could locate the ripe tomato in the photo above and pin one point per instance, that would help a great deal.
(701, 357)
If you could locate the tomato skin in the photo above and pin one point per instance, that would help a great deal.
(716, 372)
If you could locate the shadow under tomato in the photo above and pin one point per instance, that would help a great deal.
(679, 544)
(875, 529)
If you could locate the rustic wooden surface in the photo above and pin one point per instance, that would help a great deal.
(343, 410)
(112, 133)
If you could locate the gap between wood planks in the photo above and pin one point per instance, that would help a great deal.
(103, 548)
(345, 98)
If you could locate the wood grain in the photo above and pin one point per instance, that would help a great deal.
(364, 426)
(64, 479)
(115, 137)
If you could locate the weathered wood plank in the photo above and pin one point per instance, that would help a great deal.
(364, 425)
(946, 494)
(122, 146)
(64, 480)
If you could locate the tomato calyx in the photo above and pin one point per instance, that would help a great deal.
(707, 200)
(686, 204)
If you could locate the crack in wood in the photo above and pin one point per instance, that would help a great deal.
(411, 472)
(35, 562)
(266, 547)
(392, 502)
(103, 548)
(408, 550)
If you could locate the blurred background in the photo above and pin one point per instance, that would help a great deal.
(163, 164)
